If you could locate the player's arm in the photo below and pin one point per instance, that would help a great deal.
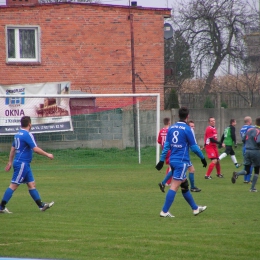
(220, 144)
(38, 150)
(213, 140)
(165, 150)
(160, 164)
(159, 139)
(11, 158)
(233, 134)
(196, 149)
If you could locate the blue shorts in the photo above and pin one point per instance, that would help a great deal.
(189, 164)
(22, 173)
(179, 170)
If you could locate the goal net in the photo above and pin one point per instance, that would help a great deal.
(65, 122)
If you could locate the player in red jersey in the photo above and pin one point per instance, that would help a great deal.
(161, 140)
(210, 142)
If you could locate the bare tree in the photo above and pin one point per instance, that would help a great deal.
(215, 31)
(247, 83)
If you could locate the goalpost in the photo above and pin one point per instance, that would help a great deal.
(124, 120)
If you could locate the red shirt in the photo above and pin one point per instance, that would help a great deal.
(210, 132)
(161, 140)
(162, 136)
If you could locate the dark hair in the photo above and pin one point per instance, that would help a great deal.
(166, 120)
(25, 121)
(190, 122)
(183, 113)
(257, 121)
(232, 121)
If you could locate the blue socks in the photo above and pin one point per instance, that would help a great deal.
(168, 200)
(8, 194)
(167, 177)
(188, 197)
(34, 194)
(191, 179)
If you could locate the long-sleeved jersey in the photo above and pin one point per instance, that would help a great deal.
(252, 139)
(210, 135)
(229, 136)
(180, 138)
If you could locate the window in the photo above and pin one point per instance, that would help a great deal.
(14, 101)
(22, 44)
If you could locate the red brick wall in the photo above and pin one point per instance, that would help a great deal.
(90, 46)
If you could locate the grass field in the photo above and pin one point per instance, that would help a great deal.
(107, 207)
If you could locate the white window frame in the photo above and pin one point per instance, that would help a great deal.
(17, 47)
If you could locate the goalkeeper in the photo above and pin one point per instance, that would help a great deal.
(178, 140)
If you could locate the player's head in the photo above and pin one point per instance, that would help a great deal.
(248, 120)
(212, 121)
(183, 113)
(25, 121)
(191, 124)
(233, 121)
(166, 121)
(257, 121)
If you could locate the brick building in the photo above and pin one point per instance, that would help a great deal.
(86, 44)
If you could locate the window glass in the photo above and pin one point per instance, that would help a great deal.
(27, 43)
(11, 43)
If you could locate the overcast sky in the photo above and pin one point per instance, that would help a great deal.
(144, 3)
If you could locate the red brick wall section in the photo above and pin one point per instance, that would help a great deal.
(90, 46)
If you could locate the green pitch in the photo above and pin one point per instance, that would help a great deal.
(107, 207)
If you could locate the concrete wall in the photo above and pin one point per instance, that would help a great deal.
(115, 128)
(222, 116)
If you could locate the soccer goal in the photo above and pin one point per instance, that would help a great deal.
(78, 120)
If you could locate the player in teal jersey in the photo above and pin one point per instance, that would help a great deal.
(229, 139)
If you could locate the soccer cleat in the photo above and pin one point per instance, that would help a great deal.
(234, 177)
(199, 210)
(253, 190)
(237, 165)
(161, 186)
(166, 215)
(195, 189)
(220, 175)
(5, 210)
(208, 177)
(47, 206)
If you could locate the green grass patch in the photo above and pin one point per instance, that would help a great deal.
(107, 207)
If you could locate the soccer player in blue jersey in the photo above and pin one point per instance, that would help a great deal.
(247, 125)
(190, 168)
(180, 138)
(20, 157)
(252, 154)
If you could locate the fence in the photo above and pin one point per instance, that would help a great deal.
(213, 100)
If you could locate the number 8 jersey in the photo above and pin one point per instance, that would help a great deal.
(180, 137)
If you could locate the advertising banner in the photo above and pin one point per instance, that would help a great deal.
(48, 114)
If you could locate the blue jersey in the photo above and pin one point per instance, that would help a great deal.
(244, 129)
(23, 143)
(179, 139)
